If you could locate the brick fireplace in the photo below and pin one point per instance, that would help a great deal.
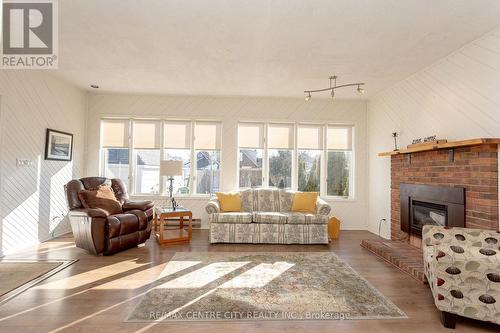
(472, 168)
(450, 184)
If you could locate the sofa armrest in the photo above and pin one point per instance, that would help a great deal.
(213, 206)
(140, 205)
(461, 272)
(89, 228)
(465, 237)
(322, 207)
(446, 255)
(88, 212)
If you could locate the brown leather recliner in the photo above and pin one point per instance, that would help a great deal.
(98, 232)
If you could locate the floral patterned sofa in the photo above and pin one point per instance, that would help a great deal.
(266, 217)
(463, 269)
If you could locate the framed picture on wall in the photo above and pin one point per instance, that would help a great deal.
(58, 146)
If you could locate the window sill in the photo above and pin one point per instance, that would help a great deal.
(166, 197)
(207, 197)
(339, 199)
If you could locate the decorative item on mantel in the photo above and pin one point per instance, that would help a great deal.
(395, 136)
(430, 140)
(416, 141)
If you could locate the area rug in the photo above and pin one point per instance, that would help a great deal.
(261, 286)
(17, 275)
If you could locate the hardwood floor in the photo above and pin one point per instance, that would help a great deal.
(97, 293)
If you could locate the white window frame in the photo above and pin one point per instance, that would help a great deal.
(193, 155)
(322, 172)
(102, 157)
(293, 150)
(352, 169)
(264, 152)
(134, 160)
(190, 148)
(131, 177)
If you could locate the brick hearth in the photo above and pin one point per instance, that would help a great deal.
(401, 254)
(475, 168)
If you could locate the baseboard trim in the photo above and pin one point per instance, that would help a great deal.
(359, 228)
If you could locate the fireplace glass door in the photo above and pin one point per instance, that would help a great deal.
(427, 213)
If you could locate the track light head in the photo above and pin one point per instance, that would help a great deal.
(360, 89)
(308, 97)
(333, 94)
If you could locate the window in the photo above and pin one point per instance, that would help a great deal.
(115, 151)
(177, 146)
(146, 156)
(280, 155)
(309, 149)
(207, 154)
(251, 148)
(339, 161)
(306, 157)
(156, 140)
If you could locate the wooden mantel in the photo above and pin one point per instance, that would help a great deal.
(447, 145)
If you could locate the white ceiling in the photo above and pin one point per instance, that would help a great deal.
(258, 47)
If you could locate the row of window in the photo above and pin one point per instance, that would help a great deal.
(299, 156)
(304, 157)
(196, 144)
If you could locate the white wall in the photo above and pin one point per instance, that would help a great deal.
(455, 98)
(32, 202)
(230, 110)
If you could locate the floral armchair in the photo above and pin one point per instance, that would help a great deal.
(462, 267)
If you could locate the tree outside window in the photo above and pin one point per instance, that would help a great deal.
(280, 168)
(309, 170)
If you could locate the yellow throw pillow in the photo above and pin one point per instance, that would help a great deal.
(229, 202)
(305, 202)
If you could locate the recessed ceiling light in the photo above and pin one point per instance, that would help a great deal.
(95, 86)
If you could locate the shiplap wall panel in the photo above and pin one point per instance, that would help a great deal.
(456, 98)
(32, 203)
(230, 110)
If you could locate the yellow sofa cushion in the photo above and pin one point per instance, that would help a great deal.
(305, 202)
(229, 202)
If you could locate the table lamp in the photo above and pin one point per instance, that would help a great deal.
(171, 168)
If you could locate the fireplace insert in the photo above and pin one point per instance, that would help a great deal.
(425, 204)
(423, 213)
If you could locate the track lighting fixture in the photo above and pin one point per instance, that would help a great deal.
(333, 86)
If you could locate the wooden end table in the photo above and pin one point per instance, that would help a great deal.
(172, 235)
